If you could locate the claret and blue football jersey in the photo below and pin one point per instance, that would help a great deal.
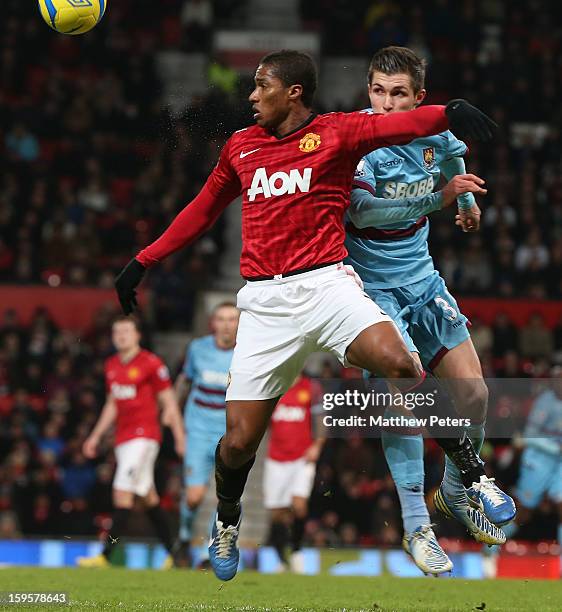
(395, 254)
(206, 366)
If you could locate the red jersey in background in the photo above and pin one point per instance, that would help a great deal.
(291, 423)
(135, 386)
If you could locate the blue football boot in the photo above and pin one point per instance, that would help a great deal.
(476, 522)
(223, 550)
(494, 503)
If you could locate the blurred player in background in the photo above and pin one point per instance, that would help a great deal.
(204, 377)
(541, 463)
(294, 170)
(138, 385)
(290, 467)
(387, 232)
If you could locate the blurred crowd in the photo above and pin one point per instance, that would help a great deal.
(52, 389)
(95, 166)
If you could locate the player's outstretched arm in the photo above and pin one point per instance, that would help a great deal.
(451, 168)
(195, 219)
(106, 420)
(368, 210)
(372, 131)
(468, 217)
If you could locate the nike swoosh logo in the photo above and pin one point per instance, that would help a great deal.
(243, 155)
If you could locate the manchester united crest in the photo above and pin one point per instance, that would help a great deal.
(310, 142)
(428, 157)
(303, 396)
(133, 373)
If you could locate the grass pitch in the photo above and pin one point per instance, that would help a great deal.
(121, 589)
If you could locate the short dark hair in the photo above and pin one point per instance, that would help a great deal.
(294, 68)
(129, 319)
(226, 304)
(395, 60)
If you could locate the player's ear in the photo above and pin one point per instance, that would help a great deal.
(420, 96)
(295, 92)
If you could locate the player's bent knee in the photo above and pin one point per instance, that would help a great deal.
(123, 499)
(400, 365)
(193, 502)
(239, 449)
(300, 507)
(474, 402)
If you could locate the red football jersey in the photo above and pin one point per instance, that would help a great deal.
(134, 386)
(295, 188)
(290, 430)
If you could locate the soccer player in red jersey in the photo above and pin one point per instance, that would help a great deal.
(290, 467)
(138, 384)
(294, 170)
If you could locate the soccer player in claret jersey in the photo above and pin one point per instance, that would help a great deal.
(205, 377)
(137, 384)
(292, 453)
(387, 243)
(294, 170)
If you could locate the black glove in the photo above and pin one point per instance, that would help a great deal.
(126, 283)
(467, 121)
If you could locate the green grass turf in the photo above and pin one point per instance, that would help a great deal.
(116, 588)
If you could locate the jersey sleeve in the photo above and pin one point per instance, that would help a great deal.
(363, 132)
(367, 210)
(222, 186)
(451, 167)
(223, 178)
(188, 364)
(364, 177)
(455, 147)
(160, 378)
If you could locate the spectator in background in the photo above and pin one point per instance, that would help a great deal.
(94, 196)
(482, 336)
(500, 213)
(78, 477)
(476, 273)
(505, 335)
(9, 529)
(535, 339)
(221, 77)
(51, 440)
(22, 144)
(532, 255)
(197, 19)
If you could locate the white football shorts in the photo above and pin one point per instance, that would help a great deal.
(283, 480)
(284, 320)
(135, 465)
